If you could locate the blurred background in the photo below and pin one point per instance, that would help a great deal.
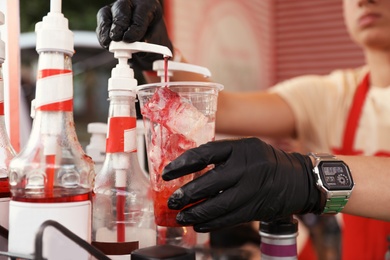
(247, 45)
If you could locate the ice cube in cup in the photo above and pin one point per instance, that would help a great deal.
(176, 113)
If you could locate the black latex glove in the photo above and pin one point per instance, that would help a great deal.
(251, 181)
(130, 21)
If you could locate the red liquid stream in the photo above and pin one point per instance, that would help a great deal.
(166, 69)
(120, 215)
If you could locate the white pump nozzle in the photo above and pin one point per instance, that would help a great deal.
(53, 33)
(123, 49)
(122, 76)
(55, 6)
(158, 66)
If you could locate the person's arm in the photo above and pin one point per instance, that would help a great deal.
(371, 193)
(256, 113)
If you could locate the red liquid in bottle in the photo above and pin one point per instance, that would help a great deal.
(120, 208)
(59, 199)
(4, 188)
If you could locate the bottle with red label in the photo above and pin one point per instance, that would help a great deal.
(52, 177)
(6, 153)
(123, 218)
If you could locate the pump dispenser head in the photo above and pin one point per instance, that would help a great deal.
(53, 33)
(122, 76)
(158, 66)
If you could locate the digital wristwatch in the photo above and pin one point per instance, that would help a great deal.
(334, 180)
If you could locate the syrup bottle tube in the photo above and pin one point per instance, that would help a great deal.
(6, 154)
(52, 178)
(181, 236)
(123, 218)
(279, 239)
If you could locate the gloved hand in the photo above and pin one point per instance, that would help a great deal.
(251, 180)
(130, 21)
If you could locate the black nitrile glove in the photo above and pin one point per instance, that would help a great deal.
(251, 181)
(130, 21)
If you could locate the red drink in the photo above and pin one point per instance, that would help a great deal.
(173, 125)
(164, 216)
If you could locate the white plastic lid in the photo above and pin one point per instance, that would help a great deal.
(97, 128)
(97, 146)
(158, 66)
(53, 33)
(2, 44)
(122, 81)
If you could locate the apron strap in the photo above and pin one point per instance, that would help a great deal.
(354, 116)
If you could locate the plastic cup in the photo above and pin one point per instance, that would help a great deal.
(180, 125)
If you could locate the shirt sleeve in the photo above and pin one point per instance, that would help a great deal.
(318, 104)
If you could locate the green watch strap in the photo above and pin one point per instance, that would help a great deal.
(335, 204)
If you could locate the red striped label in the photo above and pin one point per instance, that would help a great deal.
(51, 72)
(60, 100)
(58, 106)
(117, 127)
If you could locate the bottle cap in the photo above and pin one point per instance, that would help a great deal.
(284, 226)
(53, 33)
(97, 128)
(97, 145)
(166, 252)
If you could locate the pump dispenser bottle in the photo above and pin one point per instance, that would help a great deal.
(52, 178)
(123, 218)
(6, 153)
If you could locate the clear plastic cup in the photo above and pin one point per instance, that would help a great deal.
(177, 116)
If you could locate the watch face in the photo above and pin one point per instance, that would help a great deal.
(335, 176)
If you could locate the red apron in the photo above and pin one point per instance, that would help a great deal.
(362, 238)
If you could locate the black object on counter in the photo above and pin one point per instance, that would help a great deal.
(284, 226)
(166, 252)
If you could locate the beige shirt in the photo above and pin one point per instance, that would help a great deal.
(321, 106)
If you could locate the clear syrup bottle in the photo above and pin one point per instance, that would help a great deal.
(6, 154)
(123, 218)
(52, 177)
